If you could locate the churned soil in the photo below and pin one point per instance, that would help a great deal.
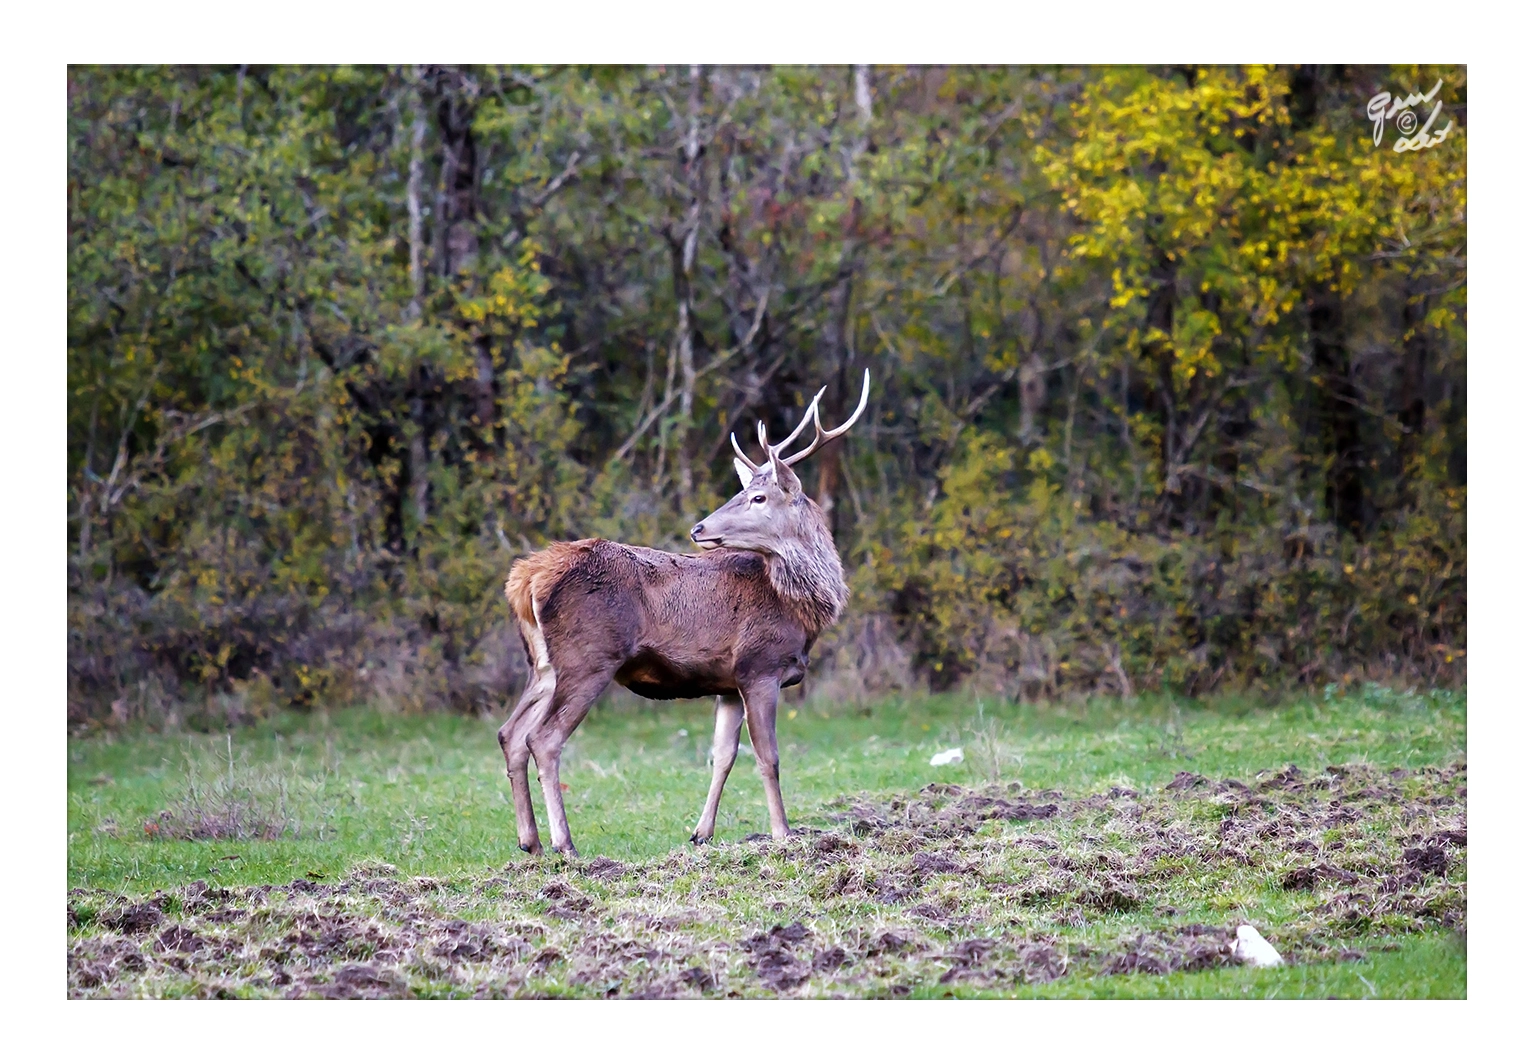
(989, 889)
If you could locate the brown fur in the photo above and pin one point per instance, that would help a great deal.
(532, 576)
(665, 626)
(736, 622)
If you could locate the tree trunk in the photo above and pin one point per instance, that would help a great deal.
(460, 220)
(840, 324)
(1157, 348)
(692, 173)
(1339, 407)
(417, 464)
(413, 195)
(1031, 396)
(1412, 403)
(455, 119)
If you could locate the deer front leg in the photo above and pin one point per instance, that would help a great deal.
(762, 721)
(728, 713)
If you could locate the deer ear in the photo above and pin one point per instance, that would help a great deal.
(784, 476)
(745, 472)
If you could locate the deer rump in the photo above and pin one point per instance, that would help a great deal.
(666, 626)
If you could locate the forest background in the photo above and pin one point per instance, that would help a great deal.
(1169, 368)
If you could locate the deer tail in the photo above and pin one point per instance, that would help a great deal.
(533, 577)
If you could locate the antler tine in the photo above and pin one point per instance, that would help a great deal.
(810, 411)
(742, 454)
(762, 441)
(822, 436)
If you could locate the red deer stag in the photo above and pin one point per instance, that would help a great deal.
(736, 621)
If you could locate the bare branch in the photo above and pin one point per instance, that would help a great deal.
(113, 493)
(554, 184)
(719, 360)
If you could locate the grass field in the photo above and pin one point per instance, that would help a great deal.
(1079, 850)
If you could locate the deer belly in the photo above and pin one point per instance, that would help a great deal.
(651, 675)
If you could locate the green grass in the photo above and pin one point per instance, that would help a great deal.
(428, 795)
(1426, 967)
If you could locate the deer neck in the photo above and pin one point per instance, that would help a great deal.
(807, 575)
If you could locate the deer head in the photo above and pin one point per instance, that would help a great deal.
(772, 508)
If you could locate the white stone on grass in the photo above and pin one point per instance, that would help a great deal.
(948, 756)
(1253, 950)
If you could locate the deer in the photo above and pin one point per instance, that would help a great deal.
(736, 621)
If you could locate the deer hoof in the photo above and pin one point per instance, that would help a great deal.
(700, 839)
(532, 849)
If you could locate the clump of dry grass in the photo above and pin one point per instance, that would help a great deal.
(228, 799)
(990, 745)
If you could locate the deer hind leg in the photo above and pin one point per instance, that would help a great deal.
(762, 721)
(514, 733)
(575, 697)
(728, 713)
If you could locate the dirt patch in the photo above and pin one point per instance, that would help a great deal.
(774, 956)
(133, 918)
(1314, 875)
(1429, 859)
(943, 890)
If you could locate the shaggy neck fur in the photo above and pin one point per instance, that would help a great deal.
(806, 571)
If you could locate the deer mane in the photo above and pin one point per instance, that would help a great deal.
(806, 572)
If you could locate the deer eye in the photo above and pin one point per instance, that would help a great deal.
(758, 500)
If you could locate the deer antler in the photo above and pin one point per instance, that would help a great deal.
(741, 454)
(771, 448)
(812, 413)
(822, 436)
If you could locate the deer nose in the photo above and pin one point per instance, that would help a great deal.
(697, 530)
